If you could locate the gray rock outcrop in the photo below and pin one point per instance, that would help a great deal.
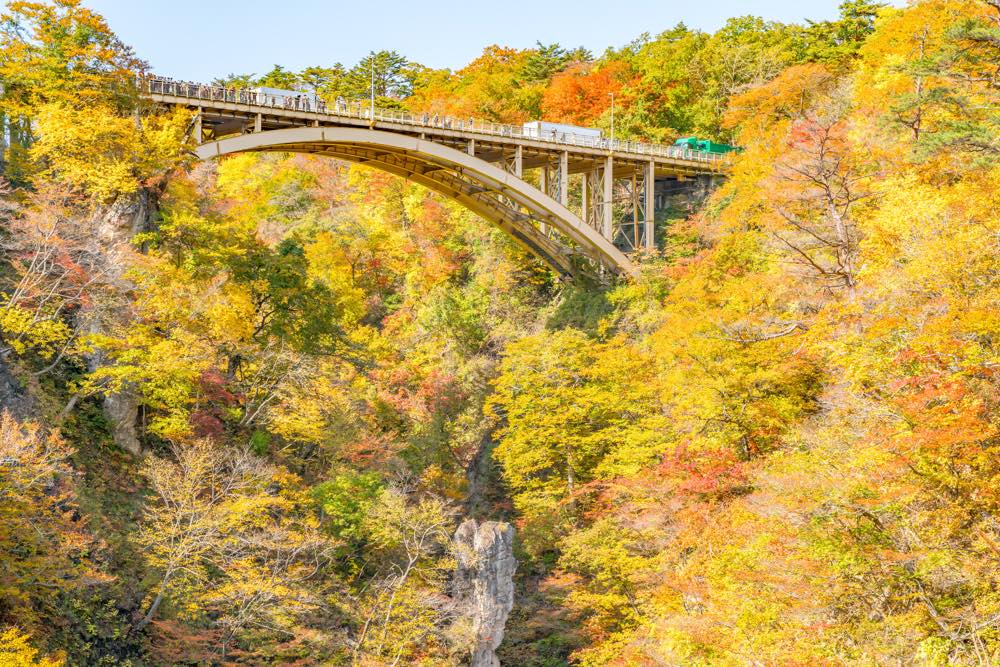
(13, 397)
(484, 583)
(115, 227)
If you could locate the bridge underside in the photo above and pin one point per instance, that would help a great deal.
(536, 220)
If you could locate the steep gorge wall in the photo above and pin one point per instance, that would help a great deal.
(484, 583)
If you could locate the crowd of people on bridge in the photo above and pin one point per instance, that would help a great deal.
(298, 102)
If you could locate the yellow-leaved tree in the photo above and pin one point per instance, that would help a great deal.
(17, 651)
(573, 412)
(229, 543)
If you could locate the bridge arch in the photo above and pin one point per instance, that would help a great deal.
(517, 207)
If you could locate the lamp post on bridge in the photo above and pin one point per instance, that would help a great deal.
(371, 124)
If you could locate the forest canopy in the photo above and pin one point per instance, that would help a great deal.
(247, 403)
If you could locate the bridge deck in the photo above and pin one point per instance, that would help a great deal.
(479, 164)
(225, 111)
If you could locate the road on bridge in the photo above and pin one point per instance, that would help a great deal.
(483, 165)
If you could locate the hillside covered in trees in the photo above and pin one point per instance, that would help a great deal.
(248, 402)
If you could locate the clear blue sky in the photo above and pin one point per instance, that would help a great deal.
(202, 39)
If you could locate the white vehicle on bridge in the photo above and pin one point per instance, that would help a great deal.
(540, 129)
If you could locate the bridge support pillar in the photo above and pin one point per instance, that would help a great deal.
(564, 178)
(636, 185)
(511, 161)
(196, 130)
(593, 194)
(471, 149)
(648, 203)
(607, 213)
(258, 122)
(553, 179)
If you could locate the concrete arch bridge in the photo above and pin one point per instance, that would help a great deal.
(516, 179)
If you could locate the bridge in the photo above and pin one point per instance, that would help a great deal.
(517, 178)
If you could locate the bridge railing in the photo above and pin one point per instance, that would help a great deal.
(357, 109)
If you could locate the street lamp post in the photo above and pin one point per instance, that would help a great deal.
(373, 90)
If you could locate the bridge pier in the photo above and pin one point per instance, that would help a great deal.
(511, 161)
(607, 208)
(197, 130)
(598, 197)
(635, 216)
(618, 200)
(648, 203)
(554, 178)
(564, 178)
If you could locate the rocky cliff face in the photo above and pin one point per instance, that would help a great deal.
(13, 396)
(115, 227)
(484, 585)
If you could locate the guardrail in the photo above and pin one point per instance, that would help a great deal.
(357, 109)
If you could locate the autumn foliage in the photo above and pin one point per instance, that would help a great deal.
(247, 402)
